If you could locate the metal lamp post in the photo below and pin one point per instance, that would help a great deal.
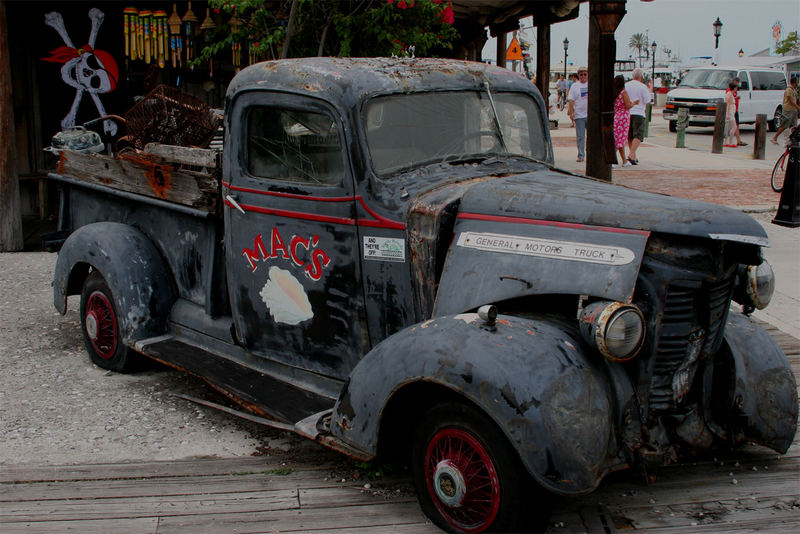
(566, 45)
(653, 73)
(717, 32)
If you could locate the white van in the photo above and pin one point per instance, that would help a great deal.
(703, 88)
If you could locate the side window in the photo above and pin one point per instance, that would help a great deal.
(744, 81)
(768, 81)
(776, 81)
(293, 146)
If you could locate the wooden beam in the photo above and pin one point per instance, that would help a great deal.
(501, 49)
(604, 17)
(11, 238)
(543, 61)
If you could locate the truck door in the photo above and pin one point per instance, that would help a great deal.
(294, 277)
(747, 112)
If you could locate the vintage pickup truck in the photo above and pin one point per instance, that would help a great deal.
(387, 261)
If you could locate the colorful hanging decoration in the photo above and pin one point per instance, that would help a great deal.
(162, 37)
(175, 40)
(144, 17)
(129, 14)
(190, 20)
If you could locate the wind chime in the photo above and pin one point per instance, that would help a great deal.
(189, 21)
(175, 40)
(145, 35)
(207, 27)
(236, 46)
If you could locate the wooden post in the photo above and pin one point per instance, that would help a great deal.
(760, 141)
(719, 129)
(11, 238)
(501, 49)
(543, 60)
(680, 128)
(604, 17)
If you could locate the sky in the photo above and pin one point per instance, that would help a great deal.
(684, 26)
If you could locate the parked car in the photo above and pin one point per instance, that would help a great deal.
(702, 89)
(390, 264)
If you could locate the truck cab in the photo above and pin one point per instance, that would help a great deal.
(394, 266)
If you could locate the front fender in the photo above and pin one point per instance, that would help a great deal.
(139, 279)
(763, 397)
(548, 395)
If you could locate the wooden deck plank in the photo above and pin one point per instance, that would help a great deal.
(388, 516)
(141, 525)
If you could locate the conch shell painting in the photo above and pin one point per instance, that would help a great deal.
(285, 297)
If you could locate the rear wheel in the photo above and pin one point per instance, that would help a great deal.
(779, 173)
(467, 476)
(100, 326)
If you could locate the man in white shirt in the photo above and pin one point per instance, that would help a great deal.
(636, 91)
(578, 99)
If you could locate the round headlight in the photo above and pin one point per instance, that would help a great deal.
(615, 328)
(756, 286)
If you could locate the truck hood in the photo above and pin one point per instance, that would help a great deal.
(696, 93)
(549, 195)
(547, 230)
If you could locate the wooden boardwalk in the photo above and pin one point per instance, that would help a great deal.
(749, 490)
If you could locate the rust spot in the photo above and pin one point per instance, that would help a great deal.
(160, 181)
(62, 161)
(504, 321)
(106, 180)
(530, 332)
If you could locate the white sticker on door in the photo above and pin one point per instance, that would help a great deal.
(384, 248)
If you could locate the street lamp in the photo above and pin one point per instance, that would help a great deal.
(653, 76)
(717, 32)
(566, 45)
(741, 52)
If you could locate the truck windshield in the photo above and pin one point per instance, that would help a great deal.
(412, 130)
(708, 78)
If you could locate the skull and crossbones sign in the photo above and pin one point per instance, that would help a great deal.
(86, 69)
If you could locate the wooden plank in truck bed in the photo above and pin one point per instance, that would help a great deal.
(144, 174)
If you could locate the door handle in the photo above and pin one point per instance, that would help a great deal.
(232, 200)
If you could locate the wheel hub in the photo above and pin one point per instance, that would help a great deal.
(449, 484)
(91, 325)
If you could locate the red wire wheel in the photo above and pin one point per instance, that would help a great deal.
(101, 325)
(462, 480)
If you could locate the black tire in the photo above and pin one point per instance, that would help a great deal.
(673, 126)
(497, 496)
(775, 123)
(100, 326)
(778, 173)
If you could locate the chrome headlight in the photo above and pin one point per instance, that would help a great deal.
(615, 328)
(755, 286)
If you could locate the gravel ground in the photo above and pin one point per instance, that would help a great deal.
(59, 408)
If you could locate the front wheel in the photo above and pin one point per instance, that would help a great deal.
(467, 476)
(775, 123)
(100, 326)
(673, 126)
(779, 173)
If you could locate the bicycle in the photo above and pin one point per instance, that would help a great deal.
(779, 170)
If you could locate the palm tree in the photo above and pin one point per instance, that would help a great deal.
(639, 42)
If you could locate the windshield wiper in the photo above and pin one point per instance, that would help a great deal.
(496, 118)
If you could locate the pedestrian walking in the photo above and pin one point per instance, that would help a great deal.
(790, 107)
(561, 85)
(731, 129)
(622, 117)
(578, 99)
(636, 91)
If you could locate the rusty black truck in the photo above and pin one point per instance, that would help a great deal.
(385, 259)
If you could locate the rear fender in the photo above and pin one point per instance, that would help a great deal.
(139, 279)
(545, 391)
(763, 394)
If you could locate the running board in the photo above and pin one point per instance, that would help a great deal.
(308, 428)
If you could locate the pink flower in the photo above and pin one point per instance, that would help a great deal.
(402, 4)
(437, 1)
(390, 1)
(448, 17)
